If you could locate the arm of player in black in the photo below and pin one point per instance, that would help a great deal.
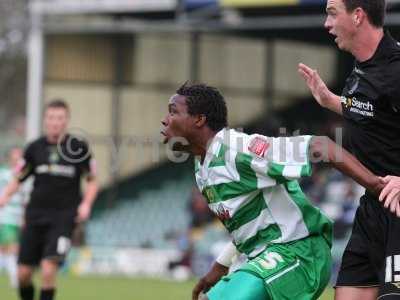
(91, 189)
(323, 149)
(90, 194)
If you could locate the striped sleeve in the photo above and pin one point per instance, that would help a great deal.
(283, 158)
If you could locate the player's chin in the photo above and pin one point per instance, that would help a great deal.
(340, 44)
(165, 137)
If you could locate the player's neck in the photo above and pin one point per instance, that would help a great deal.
(53, 139)
(366, 43)
(201, 143)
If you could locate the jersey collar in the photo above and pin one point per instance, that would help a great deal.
(214, 147)
(385, 43)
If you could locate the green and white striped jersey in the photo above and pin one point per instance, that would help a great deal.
(12, 212)
(250, 183)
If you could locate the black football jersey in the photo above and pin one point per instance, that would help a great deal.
(57, 170)
(371, 109)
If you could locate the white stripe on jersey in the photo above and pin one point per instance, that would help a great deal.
(286, 214)
(251, 228)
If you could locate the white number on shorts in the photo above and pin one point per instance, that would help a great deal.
(270, 260)
(63, 245)
(392, 267)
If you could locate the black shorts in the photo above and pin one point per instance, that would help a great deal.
(372, 255)
(46, 235)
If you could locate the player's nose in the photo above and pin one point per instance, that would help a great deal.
(327, 24)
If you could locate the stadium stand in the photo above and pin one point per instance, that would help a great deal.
(150, 207)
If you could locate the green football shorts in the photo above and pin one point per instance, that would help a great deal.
(9, 234)
(299, 270)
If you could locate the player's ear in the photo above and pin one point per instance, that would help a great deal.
(201, 120)
(358, 16)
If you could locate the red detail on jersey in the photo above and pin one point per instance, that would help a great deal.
(222, 213)
(258, 146)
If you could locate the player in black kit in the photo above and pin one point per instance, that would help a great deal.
(370, 105)
(57, 161)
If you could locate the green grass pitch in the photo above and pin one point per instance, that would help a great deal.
(109, 288)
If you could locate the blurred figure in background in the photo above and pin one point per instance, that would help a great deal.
(11, 217)
(57, 161)
(200, 212)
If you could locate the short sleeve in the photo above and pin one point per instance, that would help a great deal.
(280, 157)
(26, 165)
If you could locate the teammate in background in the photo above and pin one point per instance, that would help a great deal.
(11, 217)
(250, 183)
(370, 105)
(57, 161)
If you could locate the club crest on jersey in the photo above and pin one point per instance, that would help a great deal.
(208, 193)
(54, 157)
(222, 213)
(346, 101)
(258, 146)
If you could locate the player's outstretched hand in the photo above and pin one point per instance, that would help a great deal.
(390, 194)
(84, 210)
(209, 280)
(316, 85)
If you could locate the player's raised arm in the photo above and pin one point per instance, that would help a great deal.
(89, 168)
(90, 194)
(323, 149)
(319, 89)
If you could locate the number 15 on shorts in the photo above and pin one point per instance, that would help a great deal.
(392, 268)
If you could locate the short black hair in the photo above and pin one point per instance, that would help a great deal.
(375, 9)
(202, 99)
(57, 103)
